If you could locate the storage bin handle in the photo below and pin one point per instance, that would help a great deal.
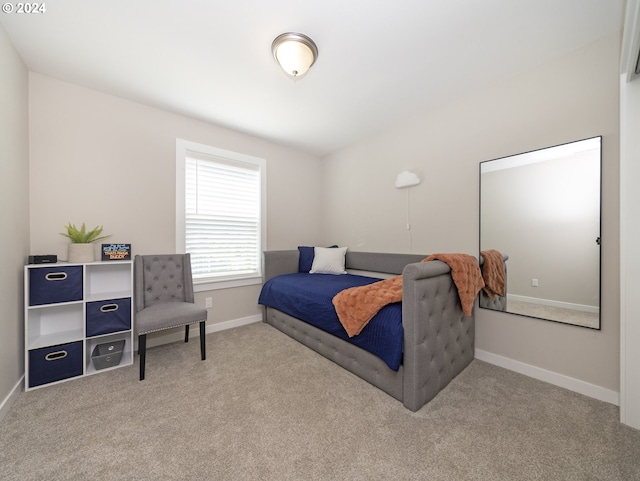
(56, 276)
(109, 308)
(54, 356)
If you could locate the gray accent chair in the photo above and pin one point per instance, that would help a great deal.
(163, 293)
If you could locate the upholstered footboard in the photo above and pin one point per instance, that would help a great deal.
(438, 338)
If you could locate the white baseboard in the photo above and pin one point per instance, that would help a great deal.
(572, 384)
(552, 303)
(8, 401)
(178, 333)
(243, 321)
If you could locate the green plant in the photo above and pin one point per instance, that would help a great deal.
(82, 236)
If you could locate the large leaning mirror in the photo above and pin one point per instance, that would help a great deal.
(541, 211)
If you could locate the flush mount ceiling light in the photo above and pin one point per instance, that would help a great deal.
(295, 53)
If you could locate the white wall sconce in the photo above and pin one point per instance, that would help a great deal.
(407, 179)
(295, 53)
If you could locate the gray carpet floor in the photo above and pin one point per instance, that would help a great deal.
(264, 407)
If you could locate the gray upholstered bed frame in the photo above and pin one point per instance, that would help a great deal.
(438, 338)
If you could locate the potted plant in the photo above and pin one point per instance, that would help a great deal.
(81, 247)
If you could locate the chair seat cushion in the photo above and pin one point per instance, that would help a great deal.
(166, 315)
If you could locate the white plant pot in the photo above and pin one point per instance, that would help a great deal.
(81, 253)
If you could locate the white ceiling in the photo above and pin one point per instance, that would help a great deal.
(380, 61)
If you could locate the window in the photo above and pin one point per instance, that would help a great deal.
(220, 214)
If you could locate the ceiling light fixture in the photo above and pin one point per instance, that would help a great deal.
(295, 53)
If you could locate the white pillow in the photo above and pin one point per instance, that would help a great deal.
(328, 260)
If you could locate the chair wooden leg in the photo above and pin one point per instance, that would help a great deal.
(142, 350)
(186, 333)
(203, 352)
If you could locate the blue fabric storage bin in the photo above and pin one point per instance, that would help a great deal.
(104, 317)
(55, 363)
(49, 285)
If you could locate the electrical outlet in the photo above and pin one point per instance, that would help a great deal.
(208, 302)
(534, 282)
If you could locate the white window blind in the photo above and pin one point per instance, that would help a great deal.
(222, 216)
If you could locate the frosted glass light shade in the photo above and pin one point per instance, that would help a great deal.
(407, 179)
(295, 53)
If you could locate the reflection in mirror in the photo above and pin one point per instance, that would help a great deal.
(541, 209)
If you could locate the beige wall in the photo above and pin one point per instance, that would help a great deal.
(103, 160)
(572, 98)
(14, 214)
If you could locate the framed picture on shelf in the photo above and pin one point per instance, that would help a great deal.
(116, 252)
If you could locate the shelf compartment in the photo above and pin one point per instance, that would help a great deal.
(55, 324)
(127, 353)
(55, 363)
(108, 316)
(48, 285)
(102, 278)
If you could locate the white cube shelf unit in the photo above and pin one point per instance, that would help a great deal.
(69, 310)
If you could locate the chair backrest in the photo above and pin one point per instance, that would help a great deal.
(162, 278)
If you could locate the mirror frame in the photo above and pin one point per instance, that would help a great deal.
(598, 240)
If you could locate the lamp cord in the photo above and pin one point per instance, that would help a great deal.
(409, 221)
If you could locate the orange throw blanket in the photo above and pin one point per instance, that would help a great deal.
(358, 305)
(493, 273)
(466, 276)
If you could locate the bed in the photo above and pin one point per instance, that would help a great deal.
(437, 338)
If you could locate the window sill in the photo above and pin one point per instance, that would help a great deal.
(211, 285)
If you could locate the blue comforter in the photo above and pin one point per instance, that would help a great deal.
(308, 297)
